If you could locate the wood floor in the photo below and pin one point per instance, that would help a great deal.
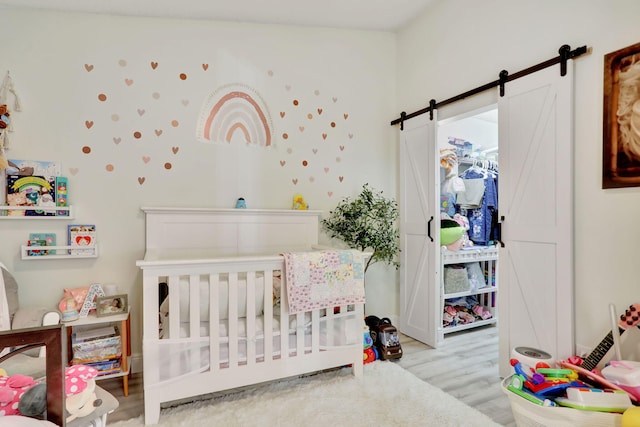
(465, 366)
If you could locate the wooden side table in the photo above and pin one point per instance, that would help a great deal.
(124, 321)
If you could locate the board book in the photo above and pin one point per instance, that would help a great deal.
(81, 235)
(34, 190)
(43, 239)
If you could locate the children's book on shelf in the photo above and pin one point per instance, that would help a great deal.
(33, 167)
(82, 235)
(62, 197)
(31, 191)
(49, 239)
(37, 243)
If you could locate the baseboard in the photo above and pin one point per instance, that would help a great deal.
(136, 363)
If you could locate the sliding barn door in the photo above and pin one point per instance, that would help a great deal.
(536, 202)
(419, 230)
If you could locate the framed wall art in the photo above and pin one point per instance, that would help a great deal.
(621, 118)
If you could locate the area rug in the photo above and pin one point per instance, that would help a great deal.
(386, 395)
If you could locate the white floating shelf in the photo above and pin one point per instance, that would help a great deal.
(68, 210)
(28, 253)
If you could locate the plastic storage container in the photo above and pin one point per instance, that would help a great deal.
(625, 374)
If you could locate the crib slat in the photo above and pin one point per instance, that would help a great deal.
(315, 331)
(233, 319)
(214, 322)
(267, 335)
(174, 306)
(251, 317)
(284, 319)
(300, 334)
(194, 305)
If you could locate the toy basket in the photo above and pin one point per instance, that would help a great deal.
(528, 414)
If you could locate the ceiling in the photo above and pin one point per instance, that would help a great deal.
(378, 15)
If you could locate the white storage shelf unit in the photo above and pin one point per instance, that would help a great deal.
(487, 295)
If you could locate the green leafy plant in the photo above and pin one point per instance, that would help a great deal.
(367, 222)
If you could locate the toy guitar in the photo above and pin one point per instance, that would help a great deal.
(586, 370)
(628, 320)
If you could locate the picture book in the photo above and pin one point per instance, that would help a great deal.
(27, 191)
(36, 252)
(82, 235)
(62, 199)
(33, 167)
(48, 238)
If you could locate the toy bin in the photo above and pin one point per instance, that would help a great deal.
(528, 414)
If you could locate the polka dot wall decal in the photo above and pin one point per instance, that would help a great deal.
(319, 110)
(315, 151)
(282, 113)
(334, 99)
(329, 193)
(287, 87)
(73, 171)
(128, 82)
(346, 116)
(146, 159)
(311, 179)
(301, 128)
(117, 140)
(86, 149)
(109, 167)
(326, 170)
(168, 166)
(175, 150)
(342, 148)
(88, 124)
(295, 102)
(285, 136)
(295, 181)
(158, 132)
(317, 92)
(137, 135)
(205, 67)
(115, 117)
(338, 159)
(305, 163)
(309, 116)
(183, 76)
(141, 112)
(283, 162)
(141, 180)
(324, 136)
(155, 95)
(102, 97)
(185, 102)
(333, 124)
(340, 178)
(122, 63)
(289, 150)
(350, 136)
(88, 67)
(154, 65)
(175, 123)
(270, 73)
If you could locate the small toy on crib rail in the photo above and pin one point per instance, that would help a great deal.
(241, 203)
(299, 204)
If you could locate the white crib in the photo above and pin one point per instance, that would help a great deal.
(225, 321)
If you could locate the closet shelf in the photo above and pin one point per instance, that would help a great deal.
(479, 253)
(4, 210)
(62, 252)
(484, 290)
(476, 324)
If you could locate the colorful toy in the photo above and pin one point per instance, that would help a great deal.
(299, 204)
(631, 417)
(241, 203)
(12, 388)
(593, 399)
(80, 390)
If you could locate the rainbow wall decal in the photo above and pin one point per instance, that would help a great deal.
(235, 113)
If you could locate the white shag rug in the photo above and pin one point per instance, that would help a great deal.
(386, 395)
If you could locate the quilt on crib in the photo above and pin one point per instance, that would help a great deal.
(323, 279)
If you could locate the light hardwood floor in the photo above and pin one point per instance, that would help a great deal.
(465, 366)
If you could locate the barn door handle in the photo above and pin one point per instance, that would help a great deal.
(429, 228)
(499, 232)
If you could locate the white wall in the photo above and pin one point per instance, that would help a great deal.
(461, 44)
(62, 62)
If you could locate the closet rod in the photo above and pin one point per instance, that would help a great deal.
(565, 53)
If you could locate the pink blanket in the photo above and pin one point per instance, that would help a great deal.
(324, 279)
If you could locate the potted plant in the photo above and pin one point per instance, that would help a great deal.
(367, 222)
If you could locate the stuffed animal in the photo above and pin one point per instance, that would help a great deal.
(299, 204)
(12, 388)
(80, 390)
(241, 203)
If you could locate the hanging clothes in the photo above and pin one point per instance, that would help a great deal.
(481, 219)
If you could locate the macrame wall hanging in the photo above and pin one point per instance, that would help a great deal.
(6, 90)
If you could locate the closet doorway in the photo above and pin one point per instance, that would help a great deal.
(535, 293)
